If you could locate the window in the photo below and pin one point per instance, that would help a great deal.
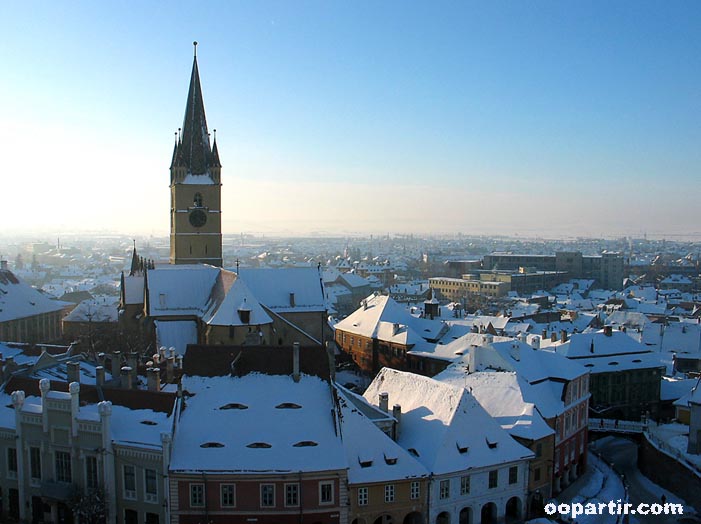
(362, 496)
(267, 495)
(12, 463)
(129, 482)
(415, 489)
(228, 495)
(63, 466)
(150, 485)
(465, 485)
(91, 472)
(513, 474)
(493, 478)
(389, 493)
(536, 474)
(444, 489)
(291, 494)
(325, 492)
(35, 463)
(196, 495)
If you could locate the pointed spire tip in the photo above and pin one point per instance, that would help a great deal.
(195, 46)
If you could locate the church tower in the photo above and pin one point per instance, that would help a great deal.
(195, 186)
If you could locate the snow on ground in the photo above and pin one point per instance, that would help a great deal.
(346, 376)
(601, 484)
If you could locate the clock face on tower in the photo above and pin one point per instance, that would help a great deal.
(198, 218)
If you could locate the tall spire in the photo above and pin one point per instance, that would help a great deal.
(196, 153)
(134, 262)
(215, 152)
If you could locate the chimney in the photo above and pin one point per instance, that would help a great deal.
(170, 369)
(488, 338)
(364, 303)
(101, 359)
(295, 361)
(608, 331)
(171, 352)
(563, 336)
(116, 364)
(73, 372)
(384, 402)
(553, 336)
(44, 387)
(126, 377)
(332, 360)
(544, 334)
(523, 337)
(292, 299)
(153, 377)
(397, 414)
(395, 329)
(162, 353)
(3, 264)
(74, 390)
(535, 342)
(156, 358)
(100, 376)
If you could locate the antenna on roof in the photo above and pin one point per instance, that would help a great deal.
(195, 44)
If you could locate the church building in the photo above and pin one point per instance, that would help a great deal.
(194, 300)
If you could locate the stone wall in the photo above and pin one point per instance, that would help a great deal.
(668, 473)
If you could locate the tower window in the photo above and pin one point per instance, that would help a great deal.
(197, 201)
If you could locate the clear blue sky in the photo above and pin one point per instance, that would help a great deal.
(493, 117)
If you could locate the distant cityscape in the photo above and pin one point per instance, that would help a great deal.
(395, 379)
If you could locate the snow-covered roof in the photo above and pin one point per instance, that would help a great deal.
(225, 312)
(181, 289)
(382, 318)
(621, 362)
(94, 310)
(443, 425)
(629, 319)
(680, 337)
(353, 281)
(674, 388)
(134, 289)
(257, 423)
(273, 288)
(133, 427)
(588, 345)
(373, 456)
(20, 300)
(502, 395)
(202, 180)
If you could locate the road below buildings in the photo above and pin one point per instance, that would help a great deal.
(623, 454)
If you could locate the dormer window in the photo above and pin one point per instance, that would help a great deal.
(288, 405)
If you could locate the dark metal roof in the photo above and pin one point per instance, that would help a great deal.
(193, 150)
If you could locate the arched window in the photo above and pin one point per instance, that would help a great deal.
(197, 201)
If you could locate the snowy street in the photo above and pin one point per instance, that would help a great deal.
(623, 453)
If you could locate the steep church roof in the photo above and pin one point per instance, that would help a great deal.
(193, 150)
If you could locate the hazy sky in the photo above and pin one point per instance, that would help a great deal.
(567, 117)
